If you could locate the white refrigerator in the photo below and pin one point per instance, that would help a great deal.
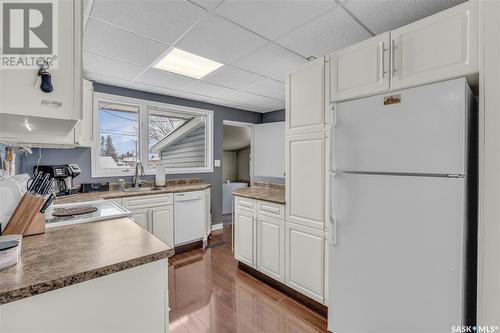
(402, 211)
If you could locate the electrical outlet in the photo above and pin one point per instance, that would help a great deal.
(217, 163)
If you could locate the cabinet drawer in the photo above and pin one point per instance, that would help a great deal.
(270, 209)
(148, 201)
(245, 203)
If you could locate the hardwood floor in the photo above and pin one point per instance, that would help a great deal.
(208, 293)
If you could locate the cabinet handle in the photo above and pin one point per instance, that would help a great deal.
(393, 57)
(382, 61)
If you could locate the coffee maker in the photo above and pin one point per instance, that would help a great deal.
(63, 177)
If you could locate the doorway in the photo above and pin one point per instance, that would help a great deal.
(236, 163)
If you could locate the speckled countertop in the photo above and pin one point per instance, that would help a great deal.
(71, 254)
(263, 191)
(113, 194)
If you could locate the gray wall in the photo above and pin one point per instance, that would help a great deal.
(274, 116)
(81, 156)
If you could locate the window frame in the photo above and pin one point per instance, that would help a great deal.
(143, 135)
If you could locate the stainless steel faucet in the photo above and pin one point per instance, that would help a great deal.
(136, 182)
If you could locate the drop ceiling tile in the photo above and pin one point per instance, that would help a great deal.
(207, 4)
(272, 61)
(116, 43)
(102, 65)
(151, 88)
(207, 89)
(243, 97)
(232, 77)
(272, 19)
(385, 15)
(332, 31)
(162, 20)
(164, 79)
(220, 40)
(269, 88)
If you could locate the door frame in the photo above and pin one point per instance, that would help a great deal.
(251, 126)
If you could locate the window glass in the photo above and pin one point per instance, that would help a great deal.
(118, 135)
(160, 125)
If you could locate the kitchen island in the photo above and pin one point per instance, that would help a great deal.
(90, 277)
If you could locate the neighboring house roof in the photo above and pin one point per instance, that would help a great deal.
(107, 162)
(178, 134)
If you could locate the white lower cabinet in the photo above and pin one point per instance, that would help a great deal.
(287, 252)
(141, 217)
(244, 249)
(304, 260)
(162, 224)
(270, 247)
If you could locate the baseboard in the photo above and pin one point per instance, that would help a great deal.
(217, 226)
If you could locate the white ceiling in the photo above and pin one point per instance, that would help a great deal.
(258, 41)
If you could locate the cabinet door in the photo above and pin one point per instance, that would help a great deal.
(439, 47)
(361, 69)
(244, 237)
(271, 247)
(20, 97)
(162, 224)
(304, 260)
(305, 109)
(141, 217)
(84, 129)
(208, 217)
(305, 181)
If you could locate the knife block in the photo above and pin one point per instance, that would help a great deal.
(37, 226)
(26, 219)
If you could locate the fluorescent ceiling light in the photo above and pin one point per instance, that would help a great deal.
(188, 64)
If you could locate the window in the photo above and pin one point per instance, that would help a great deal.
(131, 130)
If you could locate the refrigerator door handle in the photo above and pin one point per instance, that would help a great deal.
(333, 222)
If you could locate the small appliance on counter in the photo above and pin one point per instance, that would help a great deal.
(63, 177)
(94, 187)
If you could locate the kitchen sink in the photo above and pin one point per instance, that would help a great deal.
(143, 189)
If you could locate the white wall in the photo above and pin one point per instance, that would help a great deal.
(229, 166)
(243, 156)
(269, 150)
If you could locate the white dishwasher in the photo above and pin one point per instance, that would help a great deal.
(189, 217)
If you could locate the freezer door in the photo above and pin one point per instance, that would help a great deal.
(424, 133)
(396, 264)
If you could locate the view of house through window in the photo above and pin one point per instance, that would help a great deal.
(160, 125)
(118, 135)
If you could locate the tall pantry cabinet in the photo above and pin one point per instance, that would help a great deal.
(306, 119)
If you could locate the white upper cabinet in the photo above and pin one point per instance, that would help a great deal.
(305, 109)
(57, 112)
(361, 69)
(439, 47)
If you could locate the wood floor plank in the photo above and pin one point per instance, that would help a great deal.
(209, 293)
